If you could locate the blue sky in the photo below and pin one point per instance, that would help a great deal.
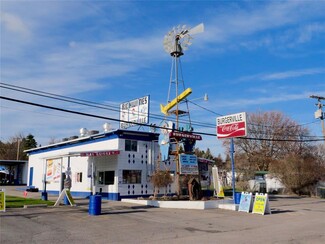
(253, 56)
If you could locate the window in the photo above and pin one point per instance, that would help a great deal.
(79, 177)
(106, 177)
(132, 176)
(131, 145)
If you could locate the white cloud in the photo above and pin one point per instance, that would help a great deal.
(307, 32)
(282, 75)
(293, 74)
(271, 98)
(14, 24)
(274, 24)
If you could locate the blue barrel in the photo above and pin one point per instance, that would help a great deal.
(95, 204)
(237, 197)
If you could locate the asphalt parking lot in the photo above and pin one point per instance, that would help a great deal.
(293, 220)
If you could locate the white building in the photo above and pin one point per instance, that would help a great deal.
(117, 164)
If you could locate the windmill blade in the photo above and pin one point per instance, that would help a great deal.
(197, 29)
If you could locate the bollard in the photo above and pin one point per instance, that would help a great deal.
(44, 196)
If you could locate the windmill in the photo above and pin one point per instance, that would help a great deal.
(175, 43)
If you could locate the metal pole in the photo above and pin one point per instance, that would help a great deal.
(178, 176)
(232, 151)
(18, 148)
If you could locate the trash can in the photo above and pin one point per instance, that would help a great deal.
(237, 197)
(95, 204)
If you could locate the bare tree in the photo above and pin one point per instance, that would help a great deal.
(300, 172)
(278, 144)
(271, 136)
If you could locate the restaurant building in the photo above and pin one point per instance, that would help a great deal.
(116, 164)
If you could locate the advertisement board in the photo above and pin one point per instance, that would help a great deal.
(53, 170)
(246, 200)
(135, 111)
(233, 125)
(261, 204)
(188, 164)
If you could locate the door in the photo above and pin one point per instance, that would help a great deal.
(31, 172)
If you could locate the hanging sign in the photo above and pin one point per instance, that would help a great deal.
(186, 135)
(2, 201)
(233, 125)
(246, 201)
(261, 204)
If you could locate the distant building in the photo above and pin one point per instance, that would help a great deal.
(116, 164)
(13, 172)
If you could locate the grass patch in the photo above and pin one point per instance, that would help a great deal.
(19, 202)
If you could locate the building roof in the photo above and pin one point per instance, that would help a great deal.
(123, 134)
(12, 162)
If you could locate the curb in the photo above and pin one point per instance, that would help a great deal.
(35, 206)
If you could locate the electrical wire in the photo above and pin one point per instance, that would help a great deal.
(117, 109)
(154, 126)
(85, 102)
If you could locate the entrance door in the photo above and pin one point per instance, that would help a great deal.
(31, 172)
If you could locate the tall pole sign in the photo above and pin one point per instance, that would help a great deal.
(231, 126)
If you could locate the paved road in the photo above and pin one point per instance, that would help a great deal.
(293, 220)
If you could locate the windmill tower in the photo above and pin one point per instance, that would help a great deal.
(175, 43)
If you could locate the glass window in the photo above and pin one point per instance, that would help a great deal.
(106, 177)
(131, 145)
(132, 176)
(79, 177)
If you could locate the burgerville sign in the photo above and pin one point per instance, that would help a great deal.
(233, 125)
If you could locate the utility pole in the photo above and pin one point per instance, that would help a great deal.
(319, 114)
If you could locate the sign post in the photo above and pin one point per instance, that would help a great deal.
(231, 126)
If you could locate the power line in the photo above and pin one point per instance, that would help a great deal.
(155, 126)
(117, 109)
(84, 102)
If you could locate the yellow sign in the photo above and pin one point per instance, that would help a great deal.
(2, 201)
(180, 97)
(261, 204)
(68, 193)
(220, 192)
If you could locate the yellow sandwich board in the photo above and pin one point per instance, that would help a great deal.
(2, 201)
(67, 193)
(261, 204)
